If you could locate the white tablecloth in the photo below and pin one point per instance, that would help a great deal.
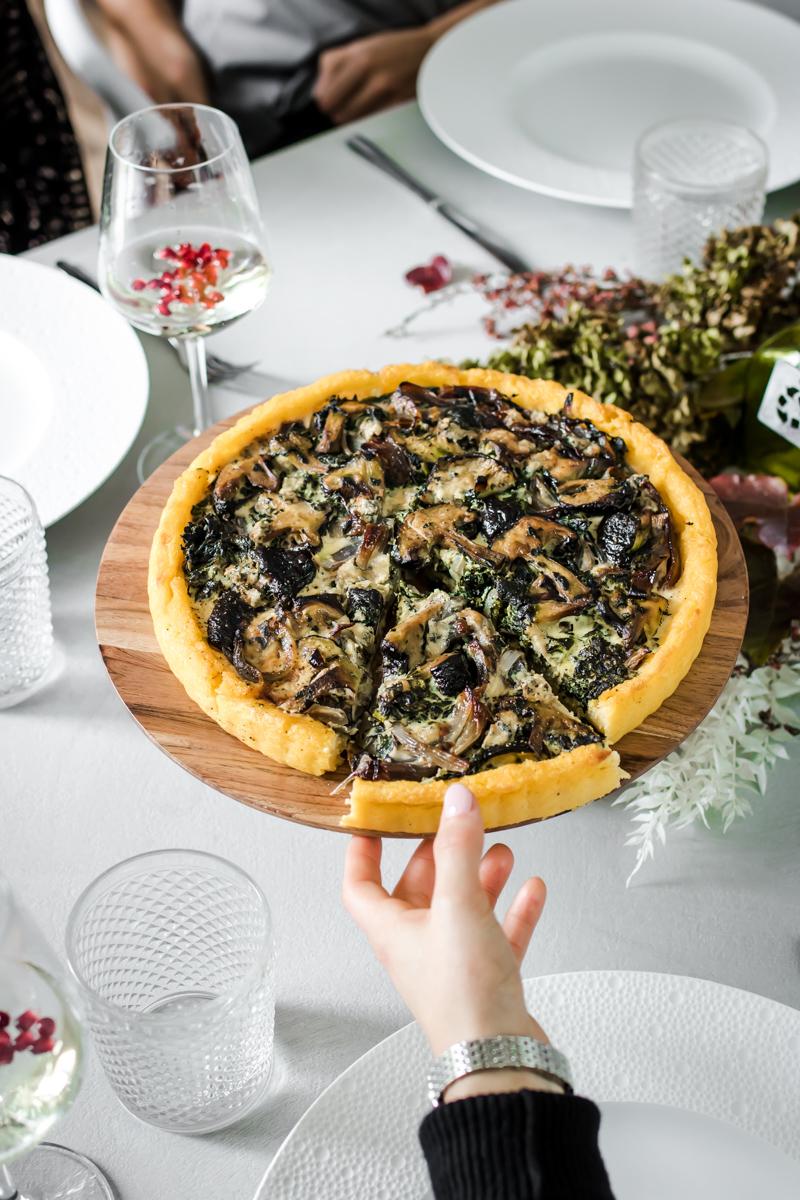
(82, 787)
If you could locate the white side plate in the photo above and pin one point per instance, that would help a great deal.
(73, 386)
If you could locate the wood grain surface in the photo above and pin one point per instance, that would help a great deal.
(159, 704)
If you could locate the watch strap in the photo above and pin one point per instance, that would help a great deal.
(497, 1053)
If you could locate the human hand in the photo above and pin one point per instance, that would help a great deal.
(454, 964)
(370, 73)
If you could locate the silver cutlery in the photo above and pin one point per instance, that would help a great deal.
(240, 376)
(368, 150)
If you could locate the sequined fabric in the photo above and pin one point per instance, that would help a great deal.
(42, 188)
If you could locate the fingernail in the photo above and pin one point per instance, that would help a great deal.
(458, 800)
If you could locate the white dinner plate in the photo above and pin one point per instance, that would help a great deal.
(553, 94)
(73, 386)
(697, 1082)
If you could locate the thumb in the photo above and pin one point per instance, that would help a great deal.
(457, 847)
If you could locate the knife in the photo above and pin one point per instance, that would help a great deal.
(368, 150)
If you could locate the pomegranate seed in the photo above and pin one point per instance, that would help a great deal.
(196, 271)
(24, 1040)
(5, 1019)
(5, 1038)
(6, 1054)
(47, 1027)
(26, 1019)
(43, 1046)
(431, 276)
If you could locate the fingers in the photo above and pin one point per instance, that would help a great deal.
(341, 72)
(457, 848)
(362, 891)
(496, 866)
(523, 915)
(415, 885)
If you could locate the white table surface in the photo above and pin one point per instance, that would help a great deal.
(82, 787)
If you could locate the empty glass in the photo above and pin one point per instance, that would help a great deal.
(173, 953)
(693, 178)
(26, 628)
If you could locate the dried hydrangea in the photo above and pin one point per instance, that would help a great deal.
(651, 347)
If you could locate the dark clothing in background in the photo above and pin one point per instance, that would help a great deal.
(515, 1146)
(262, 54)
(42, 188)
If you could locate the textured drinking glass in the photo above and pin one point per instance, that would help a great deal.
(693, 178)
(173, 953)
(26, 629)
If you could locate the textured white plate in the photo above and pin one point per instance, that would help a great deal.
(553, 94)
(724, 1063)
(73, 386)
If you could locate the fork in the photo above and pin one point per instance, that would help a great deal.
(220, 370)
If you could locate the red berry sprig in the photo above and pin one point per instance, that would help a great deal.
(193, 280)
(35, 1034)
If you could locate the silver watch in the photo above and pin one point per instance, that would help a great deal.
(496, 1053)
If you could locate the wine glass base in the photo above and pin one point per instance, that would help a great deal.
(160, 449)
(51, 1172)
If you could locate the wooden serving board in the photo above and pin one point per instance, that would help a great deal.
(161, 707)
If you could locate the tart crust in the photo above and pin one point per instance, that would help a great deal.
(508, 794)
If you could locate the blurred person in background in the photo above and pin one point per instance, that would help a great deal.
(283, 69)
(43, 190)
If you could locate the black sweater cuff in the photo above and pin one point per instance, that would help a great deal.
(515, 1146)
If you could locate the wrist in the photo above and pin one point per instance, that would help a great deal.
(474, 1027)
(491, 1083)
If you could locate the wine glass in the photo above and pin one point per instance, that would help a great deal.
(182, 250)
(41, 1057)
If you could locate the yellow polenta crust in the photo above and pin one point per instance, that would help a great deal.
(507, 794)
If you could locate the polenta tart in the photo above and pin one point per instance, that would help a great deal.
(425, 573)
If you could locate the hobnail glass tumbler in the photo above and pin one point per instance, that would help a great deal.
(173, 953)
(693, 178)
(26, 628)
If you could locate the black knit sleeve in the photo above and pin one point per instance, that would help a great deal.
(515, 1146)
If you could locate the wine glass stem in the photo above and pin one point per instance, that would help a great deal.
(7, 1189)
(198, 376)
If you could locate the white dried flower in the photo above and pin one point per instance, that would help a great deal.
(723, 765)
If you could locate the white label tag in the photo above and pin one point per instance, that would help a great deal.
(780, 407)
